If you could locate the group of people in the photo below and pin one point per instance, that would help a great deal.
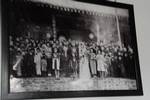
(52, 57)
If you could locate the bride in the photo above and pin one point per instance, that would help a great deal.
(84, 71)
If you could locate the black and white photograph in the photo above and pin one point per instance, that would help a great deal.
(70, 45)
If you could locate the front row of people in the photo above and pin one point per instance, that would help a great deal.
(38, 64)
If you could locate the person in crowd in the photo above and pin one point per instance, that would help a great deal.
(31, 64)
(121, 66)
(25, 64)
(17, 66)
(108, 63)
(37, 61)
(114, 70)
(12, 55)
(131, 61)
(100, 64)
(69, 59)
(125, 61)
(65, 49)
(64, 58)
(93, 63)
(74, 63)
(56, 63)
(49, 59)
(44, 64)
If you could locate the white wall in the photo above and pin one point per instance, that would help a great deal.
(142, 20)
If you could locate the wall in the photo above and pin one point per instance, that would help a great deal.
(142, 20)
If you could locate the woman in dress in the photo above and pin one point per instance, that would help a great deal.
(37, 61)
(84, 80)
(44, 65)
(84, 71)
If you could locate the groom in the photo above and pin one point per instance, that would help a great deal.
(92, 63)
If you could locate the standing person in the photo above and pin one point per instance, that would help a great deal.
(56, 63)
(114, 69)
(100, 64)
(131, 62)
(121, 65)
(69, 58)
(37, 61)
(64, 59)
(84, 73)
(74, 58)
(84, 68)
(125, 61)
(74, 61)
(93, 63)
(18, 64)
(65, 49)
(24, 64)
(25, 68)
(49, 59)
(112, 66)
(44, 65)
(27, 64)
(31, 65)
(81, 51)
(108, 63)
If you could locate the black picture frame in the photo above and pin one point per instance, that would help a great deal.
(66, 94)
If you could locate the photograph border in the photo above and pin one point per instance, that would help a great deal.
(5, 4)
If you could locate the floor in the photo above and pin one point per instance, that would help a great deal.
(69, 84)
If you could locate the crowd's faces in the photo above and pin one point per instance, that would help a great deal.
(103, 53)
(99, 52)
(91, 50)
(55, 50)
(20, 43)
(115, 49)
(110, 54)
(38, 50)
(76, 42)
(30, 53)
(102, 48)
(27, 41)
(119, 58)
(57, 42)
(11, 42)
(48, 45)
(34, 45)
(73, 43)
(19, 53)
(23, 53)
(10, 37)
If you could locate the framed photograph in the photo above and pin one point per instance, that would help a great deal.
(68, 48)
